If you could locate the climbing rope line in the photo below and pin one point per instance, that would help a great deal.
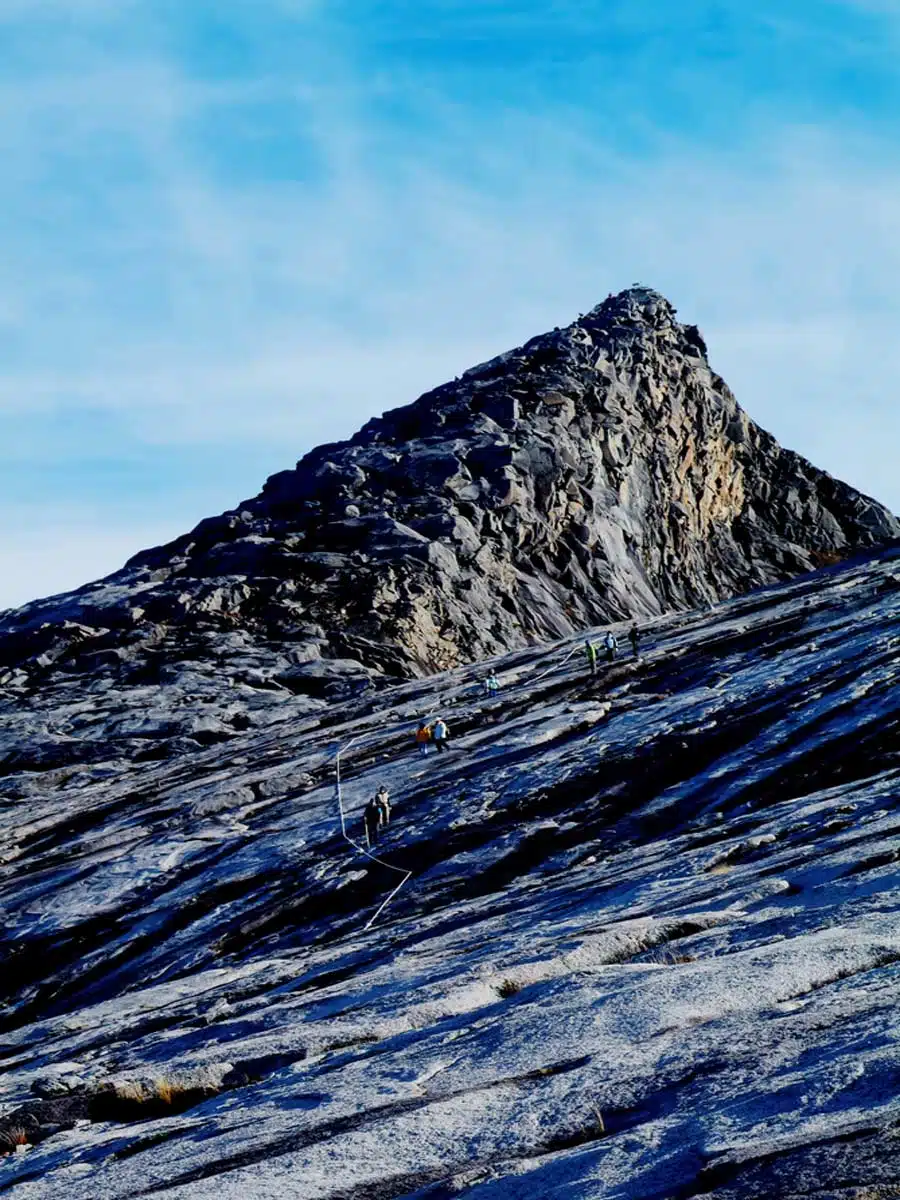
(556, 666)
(342, 750)
(407, 875)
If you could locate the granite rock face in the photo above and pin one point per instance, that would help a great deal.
(649, 948)
(647, 944)
(599, 472)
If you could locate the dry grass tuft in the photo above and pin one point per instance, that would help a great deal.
(130, 1091)
(167, 1091)
(14, 1136)
(143, 1099)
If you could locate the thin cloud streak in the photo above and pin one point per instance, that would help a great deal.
(199, 307)
(480, 273)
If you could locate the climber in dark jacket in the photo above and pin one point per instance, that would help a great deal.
(371, 820)
(634, 636)
(383, 800)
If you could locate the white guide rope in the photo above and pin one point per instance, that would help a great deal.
(362, 850)
(407, 875)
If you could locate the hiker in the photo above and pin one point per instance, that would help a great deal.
(383, 800)
(611, 644)
(590, 651)
(634, 636)
(423, 736)
(440, 734)
(491, 685)
(371, 820)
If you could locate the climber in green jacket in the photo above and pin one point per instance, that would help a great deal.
(590, 651)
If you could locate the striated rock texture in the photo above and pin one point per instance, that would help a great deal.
(649, 948)
(596, 473)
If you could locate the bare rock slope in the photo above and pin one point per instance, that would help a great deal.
(649, 948)
(598, 472)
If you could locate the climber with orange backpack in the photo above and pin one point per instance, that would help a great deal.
(423, 736)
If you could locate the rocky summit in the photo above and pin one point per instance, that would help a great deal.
(632, 934)
(598, 472)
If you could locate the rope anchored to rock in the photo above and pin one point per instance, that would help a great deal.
(407, 875)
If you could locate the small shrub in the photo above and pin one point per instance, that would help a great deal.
(14, 1136)
(123, 1100)
(666, 958)
(508, 988)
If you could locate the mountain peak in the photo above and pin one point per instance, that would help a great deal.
(599, 472)
(637, 302)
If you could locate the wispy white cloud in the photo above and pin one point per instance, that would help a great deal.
(767, 250)
(198, 305)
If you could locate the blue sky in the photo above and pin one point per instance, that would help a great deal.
(233, 229)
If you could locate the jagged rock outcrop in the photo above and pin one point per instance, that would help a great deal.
(598, 472)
